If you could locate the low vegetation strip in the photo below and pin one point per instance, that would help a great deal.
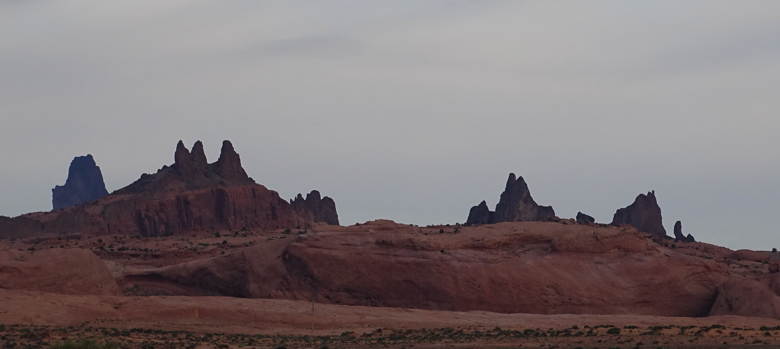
(598, 336)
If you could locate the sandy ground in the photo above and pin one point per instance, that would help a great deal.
(35, 318)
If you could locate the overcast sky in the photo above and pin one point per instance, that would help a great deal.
(410, 110)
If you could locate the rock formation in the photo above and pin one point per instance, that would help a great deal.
(228, 166)
(511, 267)
(84, 184)
(14, 228)
(678, 233)
(189, 195)
(515, 267)
(480, 214)
(191, 170)
(747, 297)
(585, 219)
(644, 214)
(190, 164)
(317, 208)
(206, 196)
(515, 205)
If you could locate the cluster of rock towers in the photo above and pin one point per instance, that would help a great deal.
(191, 171)
(516, 205)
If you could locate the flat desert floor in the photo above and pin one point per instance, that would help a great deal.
(34, 319)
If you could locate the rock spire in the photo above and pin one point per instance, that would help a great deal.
(84, 184)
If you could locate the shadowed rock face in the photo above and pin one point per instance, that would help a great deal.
(480, 214)
(644, 214)
(191, 170)
(317, 208)
(678, 233)
(18, 227)
(189, 195)
(84, 184)
(515, 205)
(192, 194)
(748, 297)
(190, 164)
(585, 219)
(228, 166)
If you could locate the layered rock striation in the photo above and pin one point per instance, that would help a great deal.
(513, 267)
(84, 184)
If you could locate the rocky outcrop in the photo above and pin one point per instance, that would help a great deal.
(194, 195)
(585, 219)
(217, 208)
(84, 184)
(515, 205)
(191, 170)
(12, 228)
(516, 267)
(678, 233)
(189, 195)
(317, 208)
(228, 166)
(191, 165)
(480, 214)
(746, 297)
(644, 215)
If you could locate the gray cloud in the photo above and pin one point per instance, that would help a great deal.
(410, 110)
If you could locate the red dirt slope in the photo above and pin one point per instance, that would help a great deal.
(68, 271)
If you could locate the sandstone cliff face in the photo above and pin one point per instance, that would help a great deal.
(515, 205)
(84, 184)
(516, 267)
(12, 228)
(644, 214)
(232, 207)
(747, 297)
(317, 208)
(190, 195)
